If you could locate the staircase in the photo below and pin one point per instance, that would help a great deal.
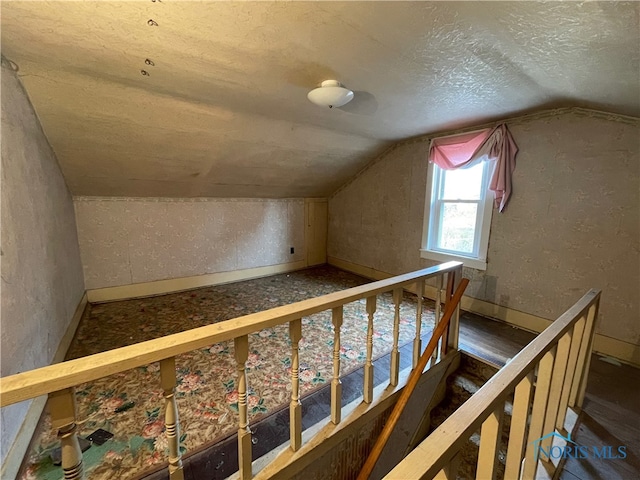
(466, 381)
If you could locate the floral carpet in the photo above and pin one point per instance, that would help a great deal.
(130, 404)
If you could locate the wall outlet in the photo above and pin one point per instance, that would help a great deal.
(292, 250)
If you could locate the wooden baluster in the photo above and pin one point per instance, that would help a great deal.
(171, 421)
(438, 312)
(519, 417)
(295, 408)
(409, 388)
(454, 326)
(62, 406)
(490, 437)
(555, 390)
(444, 342)
(576, 337)
(590, 326)
(417, 342)
(395, 353)
(543, 383)
(583, 362)
(450, 472)
(241, 347)
(368, 366)
(336, 384)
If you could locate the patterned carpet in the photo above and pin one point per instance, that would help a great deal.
(129, 404)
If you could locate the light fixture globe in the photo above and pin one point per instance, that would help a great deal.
(330, 94)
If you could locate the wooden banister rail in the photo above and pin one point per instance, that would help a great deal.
(571, 333)
(31, 384)
(416, 373)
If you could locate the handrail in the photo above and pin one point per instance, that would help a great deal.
(439, 449)
(416, 373)
(31, 384)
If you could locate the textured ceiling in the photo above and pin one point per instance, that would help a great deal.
(223, 110)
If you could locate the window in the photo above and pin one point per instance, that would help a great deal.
(458, 212)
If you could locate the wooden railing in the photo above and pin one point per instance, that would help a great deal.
(547, 377)
(58, 381)
(451, 306)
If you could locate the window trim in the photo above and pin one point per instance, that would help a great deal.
(478, 262)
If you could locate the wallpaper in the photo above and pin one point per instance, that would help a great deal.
(572, 222)
(134, 240)
(41, 273)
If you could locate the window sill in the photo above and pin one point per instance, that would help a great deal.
(446, 257)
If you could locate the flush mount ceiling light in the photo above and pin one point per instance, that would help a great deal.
(330, 94)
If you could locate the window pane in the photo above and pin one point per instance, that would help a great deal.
(458, 226)
(463, 184)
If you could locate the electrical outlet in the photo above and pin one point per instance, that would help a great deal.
(292, 250)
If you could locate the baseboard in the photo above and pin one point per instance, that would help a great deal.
(361, 270)
(20, 446)
(612, 347)
(67, 338)
(138, 290)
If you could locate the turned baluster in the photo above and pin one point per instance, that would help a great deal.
(336, 384)
(295, 407)
(62, 406)
(395, 353)
(368, 366)
(241, 347)
(171, 420)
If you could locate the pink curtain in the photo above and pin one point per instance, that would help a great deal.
(496, 144)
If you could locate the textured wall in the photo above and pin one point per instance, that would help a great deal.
(127, 240)
(42, 280)
(571, 224)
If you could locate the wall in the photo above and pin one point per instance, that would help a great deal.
(133, 240)
(571, 224)
(42, 280)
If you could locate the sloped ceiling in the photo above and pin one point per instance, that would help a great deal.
(222, 110)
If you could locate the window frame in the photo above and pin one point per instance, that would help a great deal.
(432, 214)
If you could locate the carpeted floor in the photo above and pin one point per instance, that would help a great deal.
(129, 404)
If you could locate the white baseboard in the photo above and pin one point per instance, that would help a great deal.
(612, 347)
(138, 290)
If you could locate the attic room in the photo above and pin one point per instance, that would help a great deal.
(156, 147)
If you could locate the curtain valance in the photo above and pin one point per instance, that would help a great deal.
(458, 151)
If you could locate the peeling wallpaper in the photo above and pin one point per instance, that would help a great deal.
(42, 282)
(132, 240)
(572, 222)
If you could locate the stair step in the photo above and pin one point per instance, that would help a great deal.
(467, 380)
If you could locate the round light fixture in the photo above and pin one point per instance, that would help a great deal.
(330, 94)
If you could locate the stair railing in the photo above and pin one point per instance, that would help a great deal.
(450, 308)
(59, 380)
(547, 377)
